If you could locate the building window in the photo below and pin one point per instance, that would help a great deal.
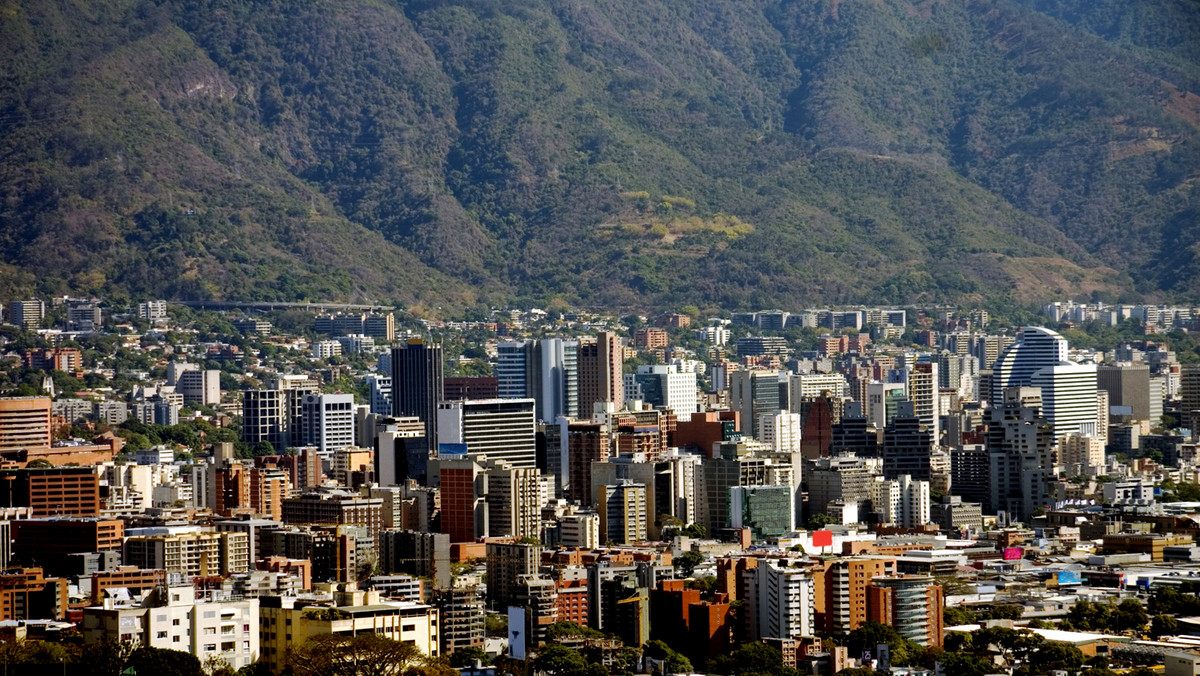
(175, 622)
(209, 631)
(174, 639)
(210, 647)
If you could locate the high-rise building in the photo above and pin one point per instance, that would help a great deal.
(380, 387)
(781, 431)
(923, 393)
(1034, 349)
(1189, 395)
(514, 500)
(501, 429)
(908, 446)
(327, 421)
(622, 510)
(914, 502)
(190, 554)
(779, 599)
(27, 314)
(753, 393)
(910, 604)
(52, 491)
(583, 443)
(200, 386)
(461, 618)
(1068, 397)
(768, 511)
(545, 370)
(665, 386)
(1020, 455)
(264, 418)
(506, 563)
(464, 505)
(601, 363)
(883, 400)
(422, 554)
(842, 591)
(24, 423)
(417, 383)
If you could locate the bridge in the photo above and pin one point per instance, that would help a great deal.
(280, 305)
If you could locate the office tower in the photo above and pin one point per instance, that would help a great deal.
(327, 421)
(506, 563)
(463, 489)
(913, 502)
(421, 554)
(501, 429)
(817, 436)
(470, 387)
(841, 588)
(841, 479)
(380, 387)
(851, 435)
(809, 386)
(779, 600)
(417, 383)
(275, 414)
(910, 604)
(515, 498)
(735, 467)
(401, 452)
(83, 315)
(1034, 349)
(380, 326)
(665, 387)
(883, 400)
(1020, 455)
(1189, 395)
(768, 511)
(1068, 397)
(780, 431)
(52, 491)
(580, 530)
(969, 473)
(1127, 385)
(336, 508)
(622, 508)
(545, 370)
(923, 393)
(625, 607)
(601, 363)
(27, 314)
(200, 386)
(753, 393)
(907, 446)
(24, 423)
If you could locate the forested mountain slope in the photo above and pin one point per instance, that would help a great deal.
(605, 152)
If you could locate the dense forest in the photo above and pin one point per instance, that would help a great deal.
(601, 152)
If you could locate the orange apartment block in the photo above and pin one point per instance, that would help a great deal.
(910, 604)
(67, 359)
(131, 577)
(840, 591)
(573, 601)
(301, 568)
(26, 594)
(649, 339)
(48, 541)
(57, 491)
(24, 424)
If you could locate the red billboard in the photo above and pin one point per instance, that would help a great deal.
(822, 538)
(1013, 553)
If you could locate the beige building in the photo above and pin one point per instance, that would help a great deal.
(287, 622)
(173, 618)
(190, 554)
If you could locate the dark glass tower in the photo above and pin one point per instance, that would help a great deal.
(417, 383)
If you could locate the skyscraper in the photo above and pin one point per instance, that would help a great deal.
(501, 429)
(417, 383)
(753, 394)
(545, 370)
(600, 373)
(1034, 349)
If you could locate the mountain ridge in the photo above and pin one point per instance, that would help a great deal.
(454, 153)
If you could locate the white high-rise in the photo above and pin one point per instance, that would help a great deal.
(546, 371)
(1035, 349)
(1068, 397)
(780, 431)
(780, 599)
(327, 421)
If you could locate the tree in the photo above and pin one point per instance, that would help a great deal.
(1055, 657)
(361, 655)
(964, 664)
(559, 660)
(672, 662)
(564, 629)
(159, 661)
(688, 561)
(466, 657)
(1130, 616)
(819, 521)
(1163, 625)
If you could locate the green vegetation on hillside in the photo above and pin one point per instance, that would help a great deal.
(727, 152)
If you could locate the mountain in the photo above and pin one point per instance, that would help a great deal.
(601, 152)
